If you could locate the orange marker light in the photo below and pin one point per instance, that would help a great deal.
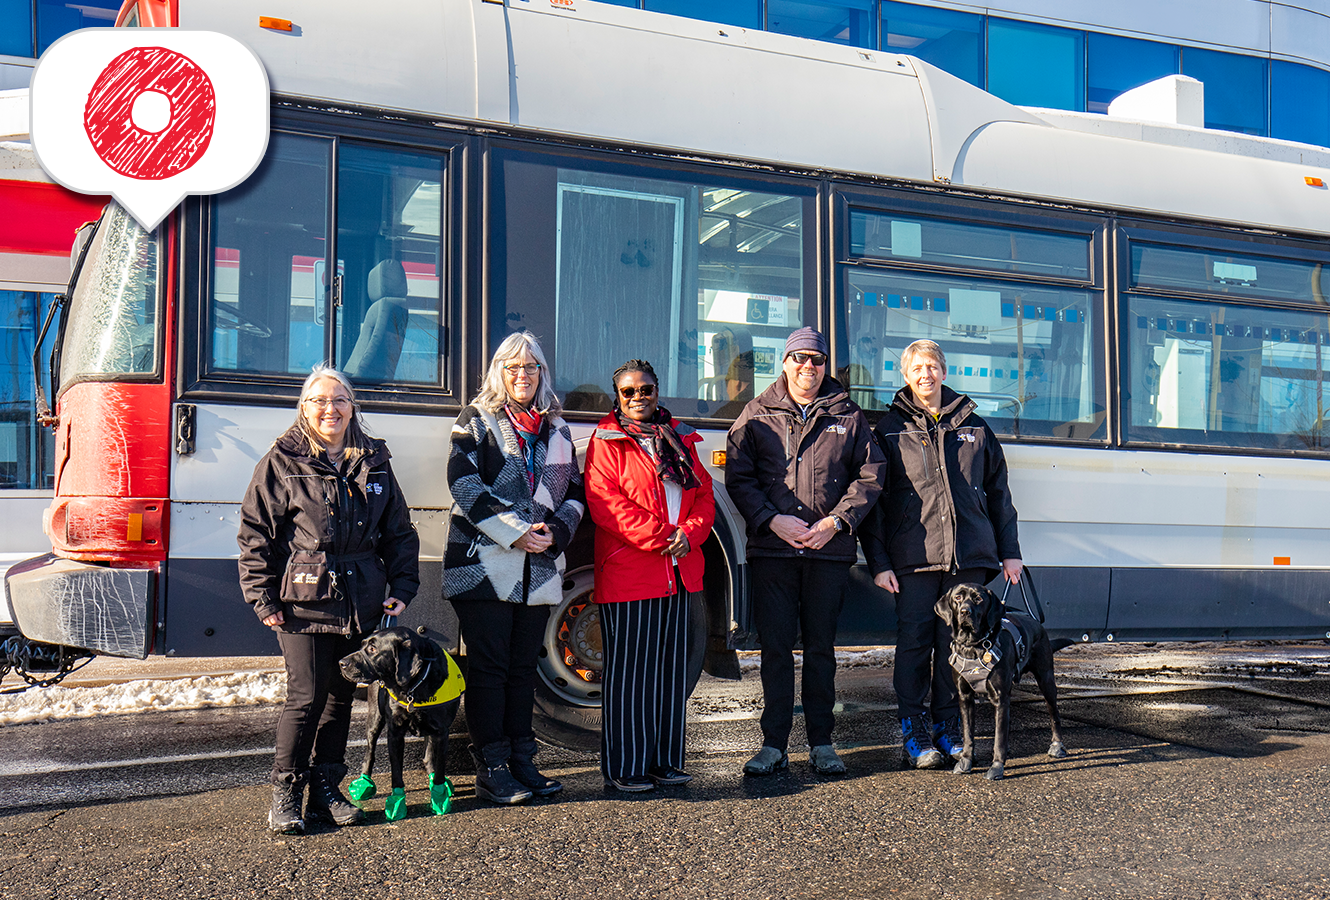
(134, 531)
(1313, 182)
(274, 23)
(1283, 560)
(718, 458)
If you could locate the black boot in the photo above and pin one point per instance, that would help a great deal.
(284, 817)
(494, 782)
(326, 802)
(524, 769)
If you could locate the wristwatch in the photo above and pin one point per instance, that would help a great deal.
(835, 520)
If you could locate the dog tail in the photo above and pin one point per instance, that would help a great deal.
(1061, 643)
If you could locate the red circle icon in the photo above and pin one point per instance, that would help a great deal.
(127, 146)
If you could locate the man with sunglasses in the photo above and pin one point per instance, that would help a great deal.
(804, 470)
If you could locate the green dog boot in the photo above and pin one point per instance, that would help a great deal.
(361, 789)
(394, 808)
(440, 796)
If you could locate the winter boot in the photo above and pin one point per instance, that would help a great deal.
(326, 802)
(947, 737)
(494, 782)
(522, 767)
(284, 817)
(917, 743)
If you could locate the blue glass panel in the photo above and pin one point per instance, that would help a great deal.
(1235, 88)
(743, 13)
(632, 4)
(1117, 64)
(25, 449)
(16, 28)
(57, 18)
(841, 21)
(1299, 103)
(1036, 65)
(952, 41)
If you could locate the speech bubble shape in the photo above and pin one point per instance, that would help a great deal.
(149, 115)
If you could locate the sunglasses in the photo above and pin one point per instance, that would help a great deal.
(800, 358)
(646, 391)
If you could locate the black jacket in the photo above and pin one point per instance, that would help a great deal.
(322, 546)
(933, 517)
(778, 463)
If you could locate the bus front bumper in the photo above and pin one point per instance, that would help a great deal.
(74, 604)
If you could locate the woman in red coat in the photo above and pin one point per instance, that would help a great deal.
(652, 504)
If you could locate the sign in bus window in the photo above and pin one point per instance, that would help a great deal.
(704, 281)
(993, 248)
(1024, 353)
(1226, 375)
(1210, 272)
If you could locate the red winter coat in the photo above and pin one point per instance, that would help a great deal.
(627, 502)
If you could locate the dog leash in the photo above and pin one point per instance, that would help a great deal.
(1037, 610)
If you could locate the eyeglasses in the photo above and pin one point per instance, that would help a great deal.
(529, 368)
(800, 358)
(334, 402)
(645, 391)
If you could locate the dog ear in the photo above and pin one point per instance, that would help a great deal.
(945, 609)
(992, 609)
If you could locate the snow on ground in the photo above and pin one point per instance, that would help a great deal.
(47, 704)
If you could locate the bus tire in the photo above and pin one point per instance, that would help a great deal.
(567, 705)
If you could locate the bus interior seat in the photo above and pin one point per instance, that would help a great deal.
(374, 358)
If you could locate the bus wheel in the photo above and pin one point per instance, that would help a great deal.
(572, 659)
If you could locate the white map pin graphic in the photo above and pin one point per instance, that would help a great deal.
(149, 115)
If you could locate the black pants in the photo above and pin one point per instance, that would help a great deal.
(792, 596)
(645, 685)
(923, 643)
(502, 645)
(317, 714)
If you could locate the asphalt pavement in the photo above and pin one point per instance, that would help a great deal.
(1194, 772)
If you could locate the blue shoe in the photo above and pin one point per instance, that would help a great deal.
(917, 742)
(947, 737)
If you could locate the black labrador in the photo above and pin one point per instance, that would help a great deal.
(991, 648)
(415, 686)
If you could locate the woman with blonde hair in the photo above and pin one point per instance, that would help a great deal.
(517, 501)
(325, 536)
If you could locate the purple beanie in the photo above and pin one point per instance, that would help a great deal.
(806, 338)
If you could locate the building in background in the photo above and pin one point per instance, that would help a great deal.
(1265, 65)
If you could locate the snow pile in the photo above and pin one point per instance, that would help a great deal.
(46, 704)
(751, 660)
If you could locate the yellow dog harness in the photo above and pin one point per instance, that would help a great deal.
(451, 689)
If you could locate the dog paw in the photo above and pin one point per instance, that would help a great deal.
(394, 808)
(361, 790)
(1056, 750)
(440, 796)
(995, 772)
(962, 767)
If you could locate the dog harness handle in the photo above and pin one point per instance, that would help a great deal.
(1037, 610)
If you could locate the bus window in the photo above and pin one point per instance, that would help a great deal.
(966, 245)
(26, 449)
(268, 272)
(1212, 272)
(388, 241)
(111, 323)
(704, 280)
(1225, 375)
(1024, 353)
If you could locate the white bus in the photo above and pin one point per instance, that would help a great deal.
(1139, 309)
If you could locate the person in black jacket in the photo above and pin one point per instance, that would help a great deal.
(945, 518)
(326, 549)
(803, 469)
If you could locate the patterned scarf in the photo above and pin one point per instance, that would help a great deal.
(527, 425)
(671, 455)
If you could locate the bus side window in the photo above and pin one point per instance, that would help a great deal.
(269, 269)
(702, 279)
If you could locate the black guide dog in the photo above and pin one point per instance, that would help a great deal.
(415, 686)
(991, 648)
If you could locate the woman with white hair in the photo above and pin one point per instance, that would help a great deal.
(517, 501)
(325, 536)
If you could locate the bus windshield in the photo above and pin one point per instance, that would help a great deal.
(111, 322)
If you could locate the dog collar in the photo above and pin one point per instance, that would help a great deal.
(451, 689)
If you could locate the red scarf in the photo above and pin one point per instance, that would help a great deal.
(527, 425)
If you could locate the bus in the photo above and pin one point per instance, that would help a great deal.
(36, 232)
(1139, 309)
